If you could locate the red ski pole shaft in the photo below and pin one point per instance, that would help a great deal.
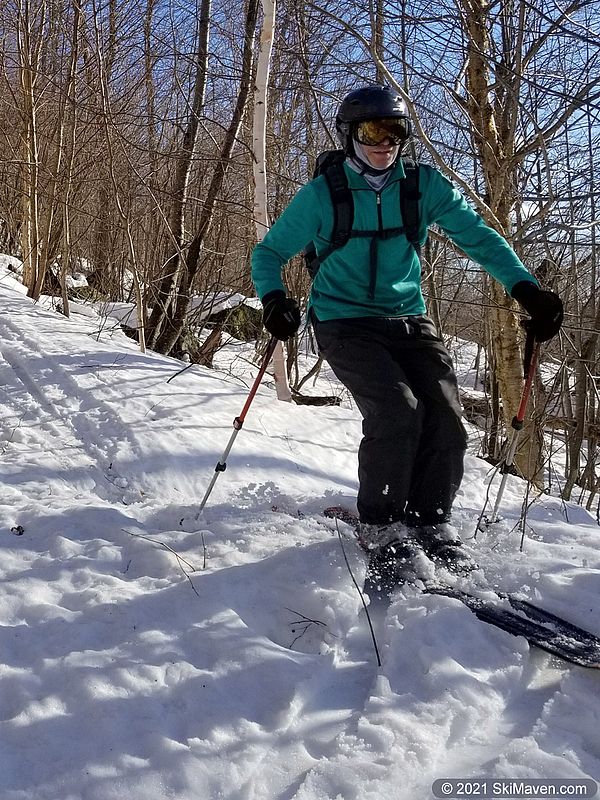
(263, 368)
(238, 422)
(520, 416)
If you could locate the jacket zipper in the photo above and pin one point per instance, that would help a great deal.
(374, 250)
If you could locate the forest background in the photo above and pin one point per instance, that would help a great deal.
(128, 151)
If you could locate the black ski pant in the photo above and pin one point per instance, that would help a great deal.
(410, 460)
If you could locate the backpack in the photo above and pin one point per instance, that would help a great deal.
(331, 164)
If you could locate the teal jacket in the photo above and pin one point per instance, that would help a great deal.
(343, 286)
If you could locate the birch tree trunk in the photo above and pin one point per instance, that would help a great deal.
(494, 123)
(259, 164)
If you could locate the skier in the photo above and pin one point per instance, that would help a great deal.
(368, 315)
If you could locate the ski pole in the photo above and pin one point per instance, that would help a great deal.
(532, 351)
(238, 422)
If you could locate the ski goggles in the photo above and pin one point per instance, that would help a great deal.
(376, 131)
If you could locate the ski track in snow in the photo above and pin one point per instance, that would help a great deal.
(88, 436)
(129, 670)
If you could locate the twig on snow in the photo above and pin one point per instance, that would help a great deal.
(360, 593)
(302, 621)
(180, 559)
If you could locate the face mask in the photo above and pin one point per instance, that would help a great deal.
(362, 157)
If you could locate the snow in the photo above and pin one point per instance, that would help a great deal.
(211, 303)
(151, 652)
(202, 307)
(76, 280)
(10, 266)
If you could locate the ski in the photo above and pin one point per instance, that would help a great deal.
(541, 628)
(516, 616)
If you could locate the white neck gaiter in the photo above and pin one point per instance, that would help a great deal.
(376, 179)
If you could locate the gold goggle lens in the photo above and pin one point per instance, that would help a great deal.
(375, 131)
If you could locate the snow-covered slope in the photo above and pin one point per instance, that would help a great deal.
(147, 653)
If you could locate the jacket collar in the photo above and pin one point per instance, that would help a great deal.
(356, 181)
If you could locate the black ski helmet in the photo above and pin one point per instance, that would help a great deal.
(368, 102)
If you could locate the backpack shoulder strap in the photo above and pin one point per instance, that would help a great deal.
(330, 164)
(342, 202)
(409, 202)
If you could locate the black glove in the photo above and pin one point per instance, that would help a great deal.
(281, 315)
(545, 308)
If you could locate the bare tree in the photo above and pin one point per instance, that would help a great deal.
(259, 126)
(165, 298)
